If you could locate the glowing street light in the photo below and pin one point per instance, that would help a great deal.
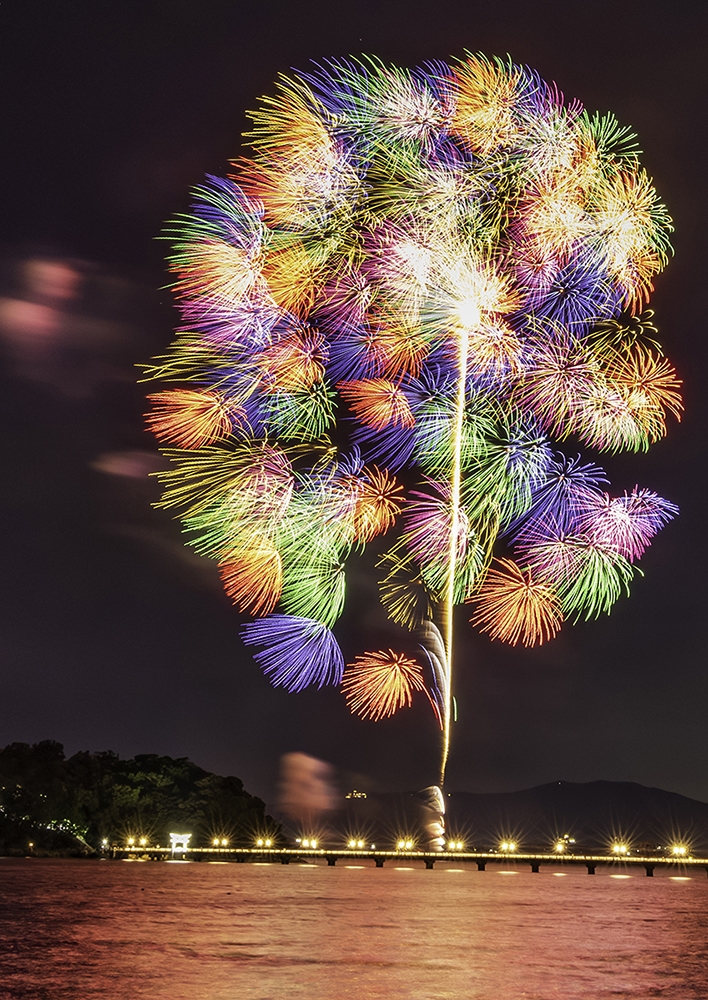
(131, 841)
(508, 846)
(310, 843)
(563, 843)
(620, 848)
(679, 850)
(455, 845)
(355, 844)
(143, 841)
(404, 845)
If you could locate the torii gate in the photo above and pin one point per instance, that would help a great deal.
(180, 842)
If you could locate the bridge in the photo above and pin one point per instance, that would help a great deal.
(286, 855)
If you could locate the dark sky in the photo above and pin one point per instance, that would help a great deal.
(115, 636)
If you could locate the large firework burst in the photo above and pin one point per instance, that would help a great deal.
(439, 274)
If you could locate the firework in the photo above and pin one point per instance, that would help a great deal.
(378, 684)
(440, 271)
(512, 606)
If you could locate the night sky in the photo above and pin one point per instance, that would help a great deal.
(113, 635)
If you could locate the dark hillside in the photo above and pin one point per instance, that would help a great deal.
(593, 814)
(72, 805)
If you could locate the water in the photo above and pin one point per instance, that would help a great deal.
(79, 930)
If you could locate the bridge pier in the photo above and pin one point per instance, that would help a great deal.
(481, 865)
(331, 862)
(429, 862)
(590, 868)
(649, 869)
(379, 862)
(535, 866)
(284, 859)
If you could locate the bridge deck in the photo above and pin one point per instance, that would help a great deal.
(481, 858)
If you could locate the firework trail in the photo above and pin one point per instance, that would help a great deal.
(418, 288)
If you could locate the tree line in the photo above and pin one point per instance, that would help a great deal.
(51, 804)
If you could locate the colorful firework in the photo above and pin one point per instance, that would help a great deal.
(438, 271)
(514, 607)
(377, 684)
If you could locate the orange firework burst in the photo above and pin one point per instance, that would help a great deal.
(378, 402)
(399, 350)
(253, 576)
(292, 364)
(377, 504)
(292, 278)
(511, 606)
(649, 381)
(377, 684)
(189, 418)
(483, 116)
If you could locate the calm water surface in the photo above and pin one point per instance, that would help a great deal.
(73, 930)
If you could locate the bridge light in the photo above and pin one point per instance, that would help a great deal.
(619, 848)
(679, 850)
(131, 841)
(560, 846)
(215, 841)
(509, 846)
(268, 842)
(313, 843)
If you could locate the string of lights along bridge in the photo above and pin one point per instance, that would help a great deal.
(310, 851)
(402, 314)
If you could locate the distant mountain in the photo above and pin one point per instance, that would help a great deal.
(593, 814)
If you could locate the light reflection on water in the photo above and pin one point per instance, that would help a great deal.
(72, 930)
